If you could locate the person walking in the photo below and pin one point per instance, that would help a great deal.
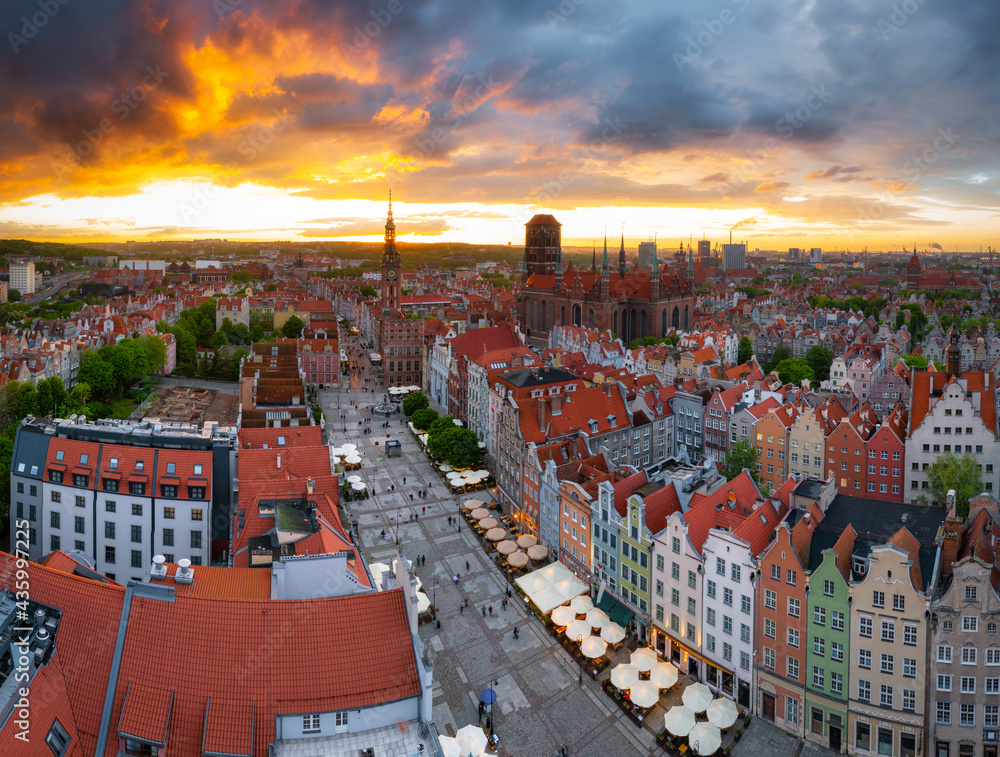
(491, 611)
(467, 567)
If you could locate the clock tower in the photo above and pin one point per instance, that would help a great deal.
(392, 274)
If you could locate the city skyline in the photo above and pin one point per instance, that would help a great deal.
(804, 125)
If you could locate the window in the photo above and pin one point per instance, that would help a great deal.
(710, 642)
(967, 715)
(970, 623)
(864, 691)
(56, 497)
(837, 620)
(310, 723)
(793, 667)
(897, 601)
(720, 566)
(169, 491)
(943, 682)
(735, 573)
(769, 658)
(692, 607)
(943, 653)
(836, 683)
(992, 685)
(878, 598)
(819, 646)
(776, 572)
(137, 488)
(793, 638)
(168, 537)
(692, 579)
(54, 519)
(909, 667)
(970, 593)
(993, 656)
(818, 677)
(793, 607)
(196, 540)
(109, 555)
(836, 651)
(968, 655)
(711, 589)
(79, 525)
(675, 571)
(944, 713)
(862, 736)
(865, 659)
(727, 651)
(909, 700)
(888, 664)
(770, 599)
(888, 630)
(910, 634)
(790, 577)
(675, 597)
(57, 739)
(769, 627)
(991, 716)
(828, 588)
(819, 616)
(968, 685)
(727, 597)
(196, 515)
(136, 508)
(136, 558)
(885, 695)
(727, 624)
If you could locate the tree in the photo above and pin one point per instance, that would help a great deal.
(915, 361)
(423, 418)
(464, 451)
(218, 339)
(794, 371)
(292, 328)
(13, 295)
(820, 359)
(156, 348)
(81, 394)
(97, 373)
(240, 334)
(782, 353)
(746, 350)
(414, 402)
(272, 288)
(443, 423)
(741, 455)
(962, 474)
(367, 291)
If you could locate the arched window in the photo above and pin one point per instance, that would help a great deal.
(590, 319)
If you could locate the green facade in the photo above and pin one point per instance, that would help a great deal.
(635, 557)
(831, 703)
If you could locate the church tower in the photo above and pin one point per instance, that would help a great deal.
(913, 271)
(391, 267)
(621, 256)
(542, 245)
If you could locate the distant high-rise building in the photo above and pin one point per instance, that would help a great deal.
(22, 276)
(794, 253)
(647, 251)
(704, 249)
(734, 256)
(816, 255)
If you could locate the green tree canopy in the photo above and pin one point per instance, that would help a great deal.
(741, 455)
(13, 295)
(746, 350)
(820, 359)
(457, 445)
(443, 423)
(423, 418)
(292, 328)
(782, 353)
(794, 371)
(962, 474)
(915, 361)
(414, 402)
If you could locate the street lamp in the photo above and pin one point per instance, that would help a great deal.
(434, 593)
(493, 699)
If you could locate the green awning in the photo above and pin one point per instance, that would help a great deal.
(618, 612)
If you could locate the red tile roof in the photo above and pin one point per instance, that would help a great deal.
(221, 583)
(844, 549)
(261, 464)
(723, 507)
(267, 653)
(909, 544)
(146, 712)
(303, 436)
(229, 726)
(49, 702)
(624, 488)
(659, 506)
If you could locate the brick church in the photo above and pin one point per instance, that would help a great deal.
(630, 302)
(400, 338)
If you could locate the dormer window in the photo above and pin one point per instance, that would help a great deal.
(593, 426)
(612, 420)
(860, 567)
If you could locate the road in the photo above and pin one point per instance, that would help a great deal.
(56, 285)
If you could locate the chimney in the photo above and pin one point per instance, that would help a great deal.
(556, 404)
(159, 571)
(310, 485)
(184, 574)
(541, 412)
(279, 461)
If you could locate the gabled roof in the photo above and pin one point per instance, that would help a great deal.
(909, 544)
(623, 490)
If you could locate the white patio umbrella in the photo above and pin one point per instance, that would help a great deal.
(352, 460)
(593, 647)
(679, 720)
(359, 486)
(480, 512)
(496, 534)
(518, 560)
(453, 475)
(348, 447)
(487, 523)
(471, 739)
(697, 697)
(705, 738)
(526, 540)
(722, 712)
(612, 633)
(597, 618)
(353, 479)
(449, 747)
(423, 602)
(537, 552)
(507, 547)
(644, 659)
(663, 675)
(624, 676)
(582, 604)
(644, 694)
(472, 504)
(483, 473)
(578, 628)
(444, 467)
(563, 616)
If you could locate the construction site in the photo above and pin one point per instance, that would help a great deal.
(190, 404)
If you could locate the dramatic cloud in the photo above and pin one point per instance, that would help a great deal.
(504, 106)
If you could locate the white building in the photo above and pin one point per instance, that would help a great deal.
(734, 256)
(23, 278)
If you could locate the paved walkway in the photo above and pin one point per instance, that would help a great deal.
(542, 706)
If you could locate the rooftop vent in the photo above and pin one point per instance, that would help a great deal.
(159, 571)
(184, 573)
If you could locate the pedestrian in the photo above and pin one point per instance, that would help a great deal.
(516, 632)
(484, 612)
(466, 601)
(461, 609)
(423, 511)
(491, 611)
(467, 568)
(564, 752)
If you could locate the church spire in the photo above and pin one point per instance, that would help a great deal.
(656, 263)
(690, 263)
(621, 254)
(604, 267)
(593, 264)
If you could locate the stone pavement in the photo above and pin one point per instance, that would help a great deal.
(763, 737)
(542, 706)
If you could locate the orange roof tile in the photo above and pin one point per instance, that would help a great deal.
(909, 544)
(49, 702)
(146, 712)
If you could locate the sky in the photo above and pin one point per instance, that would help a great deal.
(837, 124)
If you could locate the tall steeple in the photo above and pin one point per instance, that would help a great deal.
(604, 266)
(690, 263)
(621, 254)
(593, 264)
(656, 264)
(391, 267)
